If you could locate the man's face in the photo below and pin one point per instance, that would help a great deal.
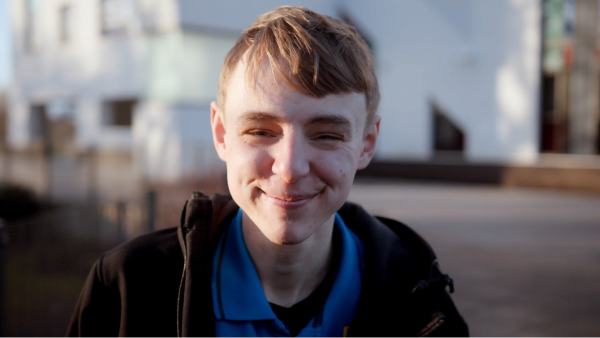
(291, 158)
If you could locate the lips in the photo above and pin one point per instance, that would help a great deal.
(294, 201)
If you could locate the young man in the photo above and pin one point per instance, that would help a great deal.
(285, 255)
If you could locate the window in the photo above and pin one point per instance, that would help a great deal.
(119, 113)
(38, 124)
(112, 17)
(65, 29)
(60, 113)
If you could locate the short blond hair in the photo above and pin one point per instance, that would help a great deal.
(315, 54)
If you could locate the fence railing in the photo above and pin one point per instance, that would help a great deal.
(44, 261)
(99, 202)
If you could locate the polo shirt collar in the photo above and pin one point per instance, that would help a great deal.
(237, 291)
(238, 294)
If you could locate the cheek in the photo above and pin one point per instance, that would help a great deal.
(247, 163)
(336, 167)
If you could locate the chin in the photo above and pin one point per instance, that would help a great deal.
(285, 234)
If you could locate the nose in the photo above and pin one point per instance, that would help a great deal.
(291, 161)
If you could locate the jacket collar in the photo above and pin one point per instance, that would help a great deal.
(201, 225)
(384, 288)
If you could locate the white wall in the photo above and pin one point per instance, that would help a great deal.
(174, 141)
(17, 130)
(479, 60)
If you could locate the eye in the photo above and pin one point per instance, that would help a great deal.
(328, 137)
(259, 132)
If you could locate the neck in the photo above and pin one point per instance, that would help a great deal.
(289, 273)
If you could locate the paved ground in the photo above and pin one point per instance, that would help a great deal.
(525, 262)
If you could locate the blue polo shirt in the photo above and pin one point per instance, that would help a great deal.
(241, 307)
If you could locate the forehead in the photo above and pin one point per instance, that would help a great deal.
(267, 93)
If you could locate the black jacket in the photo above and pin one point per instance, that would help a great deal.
(159, 284)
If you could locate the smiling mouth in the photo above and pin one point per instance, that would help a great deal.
(290, 202)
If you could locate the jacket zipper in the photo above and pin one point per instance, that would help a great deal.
(433, 325)
(179, 297)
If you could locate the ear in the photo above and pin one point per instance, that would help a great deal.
(369, 143)
(218, 130)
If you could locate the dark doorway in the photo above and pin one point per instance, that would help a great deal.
(448, 136)
(554, 116)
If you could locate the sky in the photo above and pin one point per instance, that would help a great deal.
(6, 61)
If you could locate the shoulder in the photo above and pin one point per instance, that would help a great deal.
(401, 274)
(396, 257)
(410, 237)
(387, 238)
(144, 255)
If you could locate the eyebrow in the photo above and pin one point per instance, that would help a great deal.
(257, 117)
(330, 119)
(321, 119)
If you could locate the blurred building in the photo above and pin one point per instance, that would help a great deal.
(462, 81)
(570, 88)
